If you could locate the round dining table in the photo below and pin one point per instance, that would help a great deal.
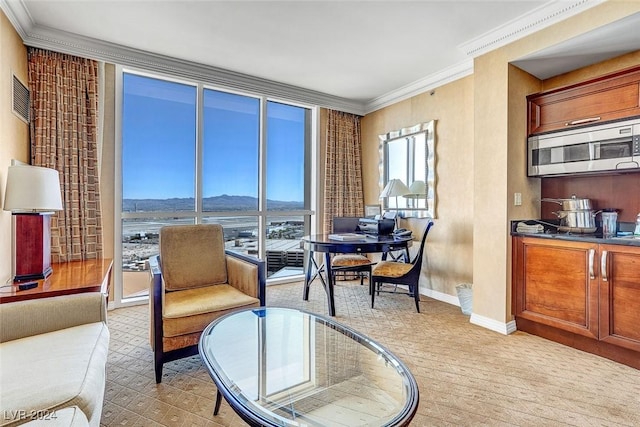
(354, 243)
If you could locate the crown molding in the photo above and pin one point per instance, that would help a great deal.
(546, 15)
(47, 38)
(422, 85)
(18, 15)
(86, 47)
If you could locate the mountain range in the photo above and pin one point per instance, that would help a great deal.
(209, 204)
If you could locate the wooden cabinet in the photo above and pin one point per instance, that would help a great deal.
(582, 294)
(557, 285)
(610, 97)
(620, 296)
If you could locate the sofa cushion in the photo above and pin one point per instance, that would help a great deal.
(67, 417)
(55, 370)
(192, 310)
(192, 256)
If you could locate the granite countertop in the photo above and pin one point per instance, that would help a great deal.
(625, 234)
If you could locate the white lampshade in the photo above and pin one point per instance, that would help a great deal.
(394, 188)
(417, 190)
(32, 189)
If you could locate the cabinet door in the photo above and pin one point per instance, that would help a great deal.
(607, 98)
(556, 284)
(620, 296)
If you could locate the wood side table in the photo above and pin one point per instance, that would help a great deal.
(92, 275)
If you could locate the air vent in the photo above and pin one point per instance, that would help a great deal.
(21, 103)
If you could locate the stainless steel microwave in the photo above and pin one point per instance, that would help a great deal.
(592, 149)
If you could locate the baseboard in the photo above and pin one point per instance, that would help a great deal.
(493, 325)
(476, 319)
(440, 296)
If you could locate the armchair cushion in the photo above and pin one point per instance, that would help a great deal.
(192, 310)
(184, 264)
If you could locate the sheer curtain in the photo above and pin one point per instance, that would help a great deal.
(343, 194)
(64, 136)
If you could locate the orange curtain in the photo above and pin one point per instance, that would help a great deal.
(64, 136)
(343, 194)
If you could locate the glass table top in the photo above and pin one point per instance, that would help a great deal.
(285, 367)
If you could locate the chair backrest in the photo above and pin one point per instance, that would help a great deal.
(417, 260)
(345, 224)
(192, 256)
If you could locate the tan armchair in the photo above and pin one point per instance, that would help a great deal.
(195, 281)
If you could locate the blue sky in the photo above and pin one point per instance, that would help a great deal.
(159, 134)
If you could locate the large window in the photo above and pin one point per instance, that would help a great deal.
(158, 144)
(193, 154)
(230, 152)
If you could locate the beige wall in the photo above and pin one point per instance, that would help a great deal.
(481, 161)
(499, 136)
(449, 251)
(14, 133)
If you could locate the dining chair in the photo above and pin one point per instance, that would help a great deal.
(400, 273)
(349, 263)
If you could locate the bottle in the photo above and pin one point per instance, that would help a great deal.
(637, 230)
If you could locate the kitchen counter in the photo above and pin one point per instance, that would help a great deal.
(551, 232)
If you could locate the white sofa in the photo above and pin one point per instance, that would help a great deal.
(53, 354)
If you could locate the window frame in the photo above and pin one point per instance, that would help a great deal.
(311, 192)
(409, 135)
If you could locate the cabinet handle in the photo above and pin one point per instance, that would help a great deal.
(603, 266)
(582, 121)
(592, 254)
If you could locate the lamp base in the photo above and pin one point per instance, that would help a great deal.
(33, 246)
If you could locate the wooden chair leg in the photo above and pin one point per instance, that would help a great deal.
(158, 366)
(416, 296)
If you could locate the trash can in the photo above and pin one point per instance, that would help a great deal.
(465, 296)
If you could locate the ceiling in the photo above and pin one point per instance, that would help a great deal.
(361, 53)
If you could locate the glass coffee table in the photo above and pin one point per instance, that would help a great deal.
(286, 367)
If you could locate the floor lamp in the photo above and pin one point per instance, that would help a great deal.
(32, 195)
(395, 188)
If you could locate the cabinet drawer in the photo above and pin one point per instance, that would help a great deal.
(604, 99)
